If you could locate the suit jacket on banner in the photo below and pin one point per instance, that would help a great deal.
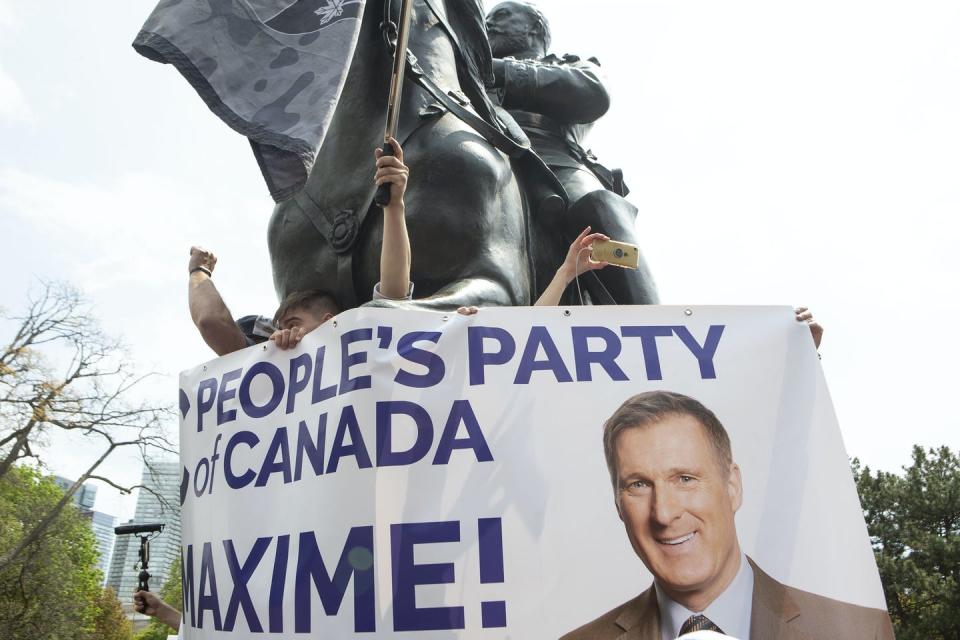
(779, 613)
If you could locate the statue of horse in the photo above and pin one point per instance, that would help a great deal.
(469, 234)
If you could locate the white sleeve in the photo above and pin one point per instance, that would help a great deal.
(379, 296)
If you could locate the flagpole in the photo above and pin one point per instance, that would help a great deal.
(382, 197)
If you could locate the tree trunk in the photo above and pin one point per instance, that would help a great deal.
(17, 446)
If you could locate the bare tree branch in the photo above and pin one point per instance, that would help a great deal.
(93, 396)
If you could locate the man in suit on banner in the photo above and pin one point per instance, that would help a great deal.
(677, 490)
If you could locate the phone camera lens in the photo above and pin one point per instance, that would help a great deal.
(618, 253)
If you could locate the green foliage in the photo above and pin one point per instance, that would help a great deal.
(52, 590)
(171, 593)
(914, 525)
(111, 623)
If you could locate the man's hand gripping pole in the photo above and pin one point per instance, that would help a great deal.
(382, 197)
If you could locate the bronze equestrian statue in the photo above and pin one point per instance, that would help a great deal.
(556, 100)
(473, 240)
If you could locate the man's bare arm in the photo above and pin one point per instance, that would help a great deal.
(577, 261)
(395, 251)
(207, 309)
(149, 604)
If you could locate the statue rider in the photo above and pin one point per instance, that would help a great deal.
(556, 100)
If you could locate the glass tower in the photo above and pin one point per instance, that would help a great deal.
(102, 523)
(159, 502)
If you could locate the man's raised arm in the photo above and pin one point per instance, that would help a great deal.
(207, 308)
(395, 250)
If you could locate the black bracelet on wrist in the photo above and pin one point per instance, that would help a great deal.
(204, 269)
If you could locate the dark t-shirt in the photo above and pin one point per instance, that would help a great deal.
(256, 329)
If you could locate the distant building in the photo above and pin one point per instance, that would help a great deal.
(162, 478)
(85, 497)
(118, 564)
(102, 523)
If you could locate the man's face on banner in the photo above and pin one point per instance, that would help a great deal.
(677, 502)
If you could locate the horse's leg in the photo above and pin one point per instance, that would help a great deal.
(610, 214)
(302, 259)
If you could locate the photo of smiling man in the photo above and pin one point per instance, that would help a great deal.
(677, 490)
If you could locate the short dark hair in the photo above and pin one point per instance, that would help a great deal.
(315, 301)
(650, 407)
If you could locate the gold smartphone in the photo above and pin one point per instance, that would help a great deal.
(618, 253)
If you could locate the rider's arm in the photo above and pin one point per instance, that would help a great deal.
(395, 250)
(577, 262)
(571, 91)
(207, 308)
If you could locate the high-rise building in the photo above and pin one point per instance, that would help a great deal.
(85, 497)
(102, 524)
(159, 502)
(119, 564)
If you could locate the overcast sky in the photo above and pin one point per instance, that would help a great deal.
(779, 153)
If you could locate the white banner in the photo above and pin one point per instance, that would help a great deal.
(428, 475)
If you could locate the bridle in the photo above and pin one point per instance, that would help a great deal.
(388, 28)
